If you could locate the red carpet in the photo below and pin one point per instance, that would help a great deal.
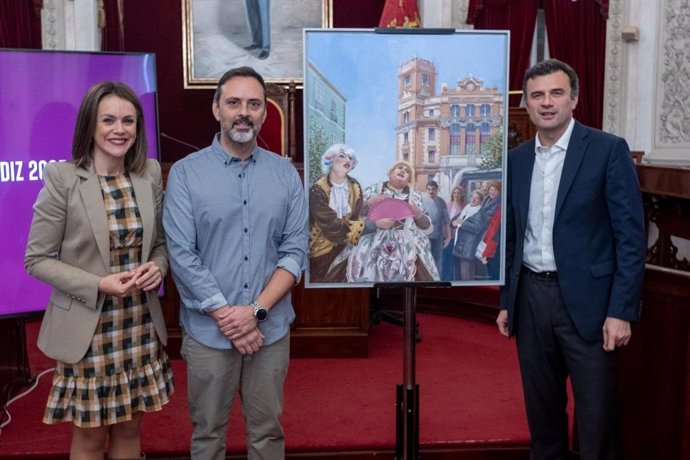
(470, 393)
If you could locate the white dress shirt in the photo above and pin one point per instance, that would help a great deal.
(546, 177)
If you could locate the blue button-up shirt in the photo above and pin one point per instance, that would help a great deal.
(229, 225)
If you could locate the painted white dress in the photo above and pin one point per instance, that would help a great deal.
(401, 253)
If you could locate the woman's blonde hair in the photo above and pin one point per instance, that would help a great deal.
(408, 165)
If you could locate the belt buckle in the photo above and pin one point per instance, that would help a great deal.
(548, 275)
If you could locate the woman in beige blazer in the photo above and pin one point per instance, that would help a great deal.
(97, 238)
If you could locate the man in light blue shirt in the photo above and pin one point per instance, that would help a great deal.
(235, 219)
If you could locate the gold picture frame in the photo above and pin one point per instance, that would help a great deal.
(216, 33)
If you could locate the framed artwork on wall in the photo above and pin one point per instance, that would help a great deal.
(405, 154)
(267, 35)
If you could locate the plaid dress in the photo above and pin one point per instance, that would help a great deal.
(126, 368)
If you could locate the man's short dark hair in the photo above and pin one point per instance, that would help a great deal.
(245, 71)
(548, 67)
(432, 183)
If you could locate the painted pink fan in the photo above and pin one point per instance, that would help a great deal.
(390, 208)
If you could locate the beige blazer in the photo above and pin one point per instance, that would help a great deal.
(69, 248)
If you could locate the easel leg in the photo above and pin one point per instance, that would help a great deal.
(399, 422)
(407, 423)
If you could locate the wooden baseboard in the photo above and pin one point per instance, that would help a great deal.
(325, 343)
(474, 451)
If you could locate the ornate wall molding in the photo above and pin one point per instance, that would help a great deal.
(647, 81)
(673, 122)
(672, 96)
(52, 24)
(615, 76)
(459, 14)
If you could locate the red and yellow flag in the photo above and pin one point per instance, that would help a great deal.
(400, 13)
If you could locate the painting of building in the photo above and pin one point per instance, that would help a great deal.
(394, 97)
(444, 132)
(326, 109)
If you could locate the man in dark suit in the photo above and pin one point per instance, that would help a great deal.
(575, 253)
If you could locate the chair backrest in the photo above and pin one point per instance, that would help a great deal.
(278, 131)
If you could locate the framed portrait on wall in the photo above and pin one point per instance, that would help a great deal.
(267, 35)
(264, 34)
(405, 154)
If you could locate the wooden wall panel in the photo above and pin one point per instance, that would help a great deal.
(654, 371)
(520, 128)
(331, 323)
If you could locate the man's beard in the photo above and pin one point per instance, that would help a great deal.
(242, 137)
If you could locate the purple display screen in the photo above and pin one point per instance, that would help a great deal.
(40, 94)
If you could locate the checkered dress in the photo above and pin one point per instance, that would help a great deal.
(126, 368)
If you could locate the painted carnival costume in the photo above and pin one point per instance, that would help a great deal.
(401, 252)
(335, 204)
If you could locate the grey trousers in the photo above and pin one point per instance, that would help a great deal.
(214, 378)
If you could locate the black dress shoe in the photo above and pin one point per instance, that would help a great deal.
(251, 47)
(264, 54)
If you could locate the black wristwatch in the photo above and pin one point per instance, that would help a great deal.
(260, 313)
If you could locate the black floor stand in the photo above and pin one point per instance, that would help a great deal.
(378, 314)
(407, 394)
(407, 423)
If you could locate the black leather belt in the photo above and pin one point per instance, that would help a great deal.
(541, 275)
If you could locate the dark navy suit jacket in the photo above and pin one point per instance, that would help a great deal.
(599, 236)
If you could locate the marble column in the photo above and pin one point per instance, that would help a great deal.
(70, 25)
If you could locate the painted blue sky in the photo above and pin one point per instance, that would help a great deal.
(364, 66)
